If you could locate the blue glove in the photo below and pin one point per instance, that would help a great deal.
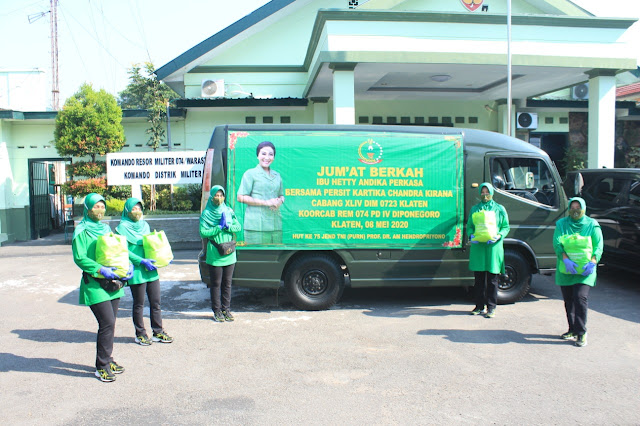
(493, 241)
(107, 272)
(570, 265)
(589, 269)
(472, 238)
(149, 264)
(129, 273)
(223, 221)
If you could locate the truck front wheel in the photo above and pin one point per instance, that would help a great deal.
(314, 282)
(514, 285)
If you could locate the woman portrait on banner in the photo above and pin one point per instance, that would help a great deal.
(488, 225)
(145, 278)
(218, 223)
(102, 295)
(578, 244)
(262, 191)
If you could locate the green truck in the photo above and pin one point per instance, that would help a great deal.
(329, 206)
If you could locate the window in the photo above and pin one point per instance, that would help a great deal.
(605, 191)
(634, 194)
(528, 178)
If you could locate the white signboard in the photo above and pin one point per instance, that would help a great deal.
(143, 168)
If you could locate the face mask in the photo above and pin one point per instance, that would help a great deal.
(485, 197)
(576, 213)
(135, 216)
(96, 214)
(218, 200)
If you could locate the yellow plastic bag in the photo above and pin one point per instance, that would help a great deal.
(157, 247)
(486, 227)
(579, 249)
(112, 250)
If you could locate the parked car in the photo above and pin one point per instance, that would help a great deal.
(613, 199)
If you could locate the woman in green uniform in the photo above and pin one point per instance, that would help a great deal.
(486, 259)
(104, 304)
(145, 275)
(218, 223)
(262, 191)
(576, 282)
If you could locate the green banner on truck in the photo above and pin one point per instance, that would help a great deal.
(321, 189)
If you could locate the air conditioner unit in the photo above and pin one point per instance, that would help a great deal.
(527, 120)
(212, 88)
(580, 92)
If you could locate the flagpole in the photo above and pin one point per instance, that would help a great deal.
(509, 95)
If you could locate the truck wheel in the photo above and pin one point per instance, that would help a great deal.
(314, 282)
(514, 285)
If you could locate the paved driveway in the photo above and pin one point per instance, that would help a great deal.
(381, 356)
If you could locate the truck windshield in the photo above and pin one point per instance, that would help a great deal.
(529, 178)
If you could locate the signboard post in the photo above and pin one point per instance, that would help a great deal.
(146, 168)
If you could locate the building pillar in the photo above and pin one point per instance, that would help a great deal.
(320, 110)
(344, 110)
(602, 119)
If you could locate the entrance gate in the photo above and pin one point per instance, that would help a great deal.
(45, 197)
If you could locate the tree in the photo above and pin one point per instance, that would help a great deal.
(147, 92)
(89, 124)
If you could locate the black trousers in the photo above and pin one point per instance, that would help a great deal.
(105, 312)
(152, 289)
(576, 304)
(485, 289)
(221, 286)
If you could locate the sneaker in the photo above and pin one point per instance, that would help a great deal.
(490, 313)
(227, 315)
(581, 340)
(568, 336)
(218, 317)
(115, 368)
(477, 311)
(143, 340)
(162, 337)
(105, 375)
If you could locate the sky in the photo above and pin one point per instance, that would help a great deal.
(99, 40)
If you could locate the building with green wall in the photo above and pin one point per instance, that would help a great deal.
(405, 62)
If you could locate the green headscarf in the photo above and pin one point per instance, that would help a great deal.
(211, 214)
(130, 229)
(486, 205)
(93, 228)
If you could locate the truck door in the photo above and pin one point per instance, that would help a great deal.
(529, 189)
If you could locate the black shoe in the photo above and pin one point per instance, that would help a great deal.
(568, 336)
(581, 340)
(477, 311)
(490, 313)
(162, 337)
(218, 317)
(227, 315)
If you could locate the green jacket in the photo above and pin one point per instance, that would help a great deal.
(483, 256)
(590, 228)
(213, 232)
(84, 255)
(140, 273)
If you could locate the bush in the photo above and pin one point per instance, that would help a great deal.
(119, 191)
(87, 169)
(80, 188)
(185, 198)
(114, 207)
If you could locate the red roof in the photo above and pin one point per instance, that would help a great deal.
(630, 91)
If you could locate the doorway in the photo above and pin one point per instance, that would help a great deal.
(555, 145)
(47, 201)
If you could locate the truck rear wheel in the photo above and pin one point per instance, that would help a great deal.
(314, 282)
(515, 284)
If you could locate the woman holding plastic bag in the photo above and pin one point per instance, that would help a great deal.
(487, 226)
(218, 223)
(145, 274)
(100, 286)
(578, 244)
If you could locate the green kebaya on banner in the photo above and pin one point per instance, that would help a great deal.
(346, 189)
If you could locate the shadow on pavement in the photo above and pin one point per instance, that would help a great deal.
(493, 337)
(11, 362)
(54, 335)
